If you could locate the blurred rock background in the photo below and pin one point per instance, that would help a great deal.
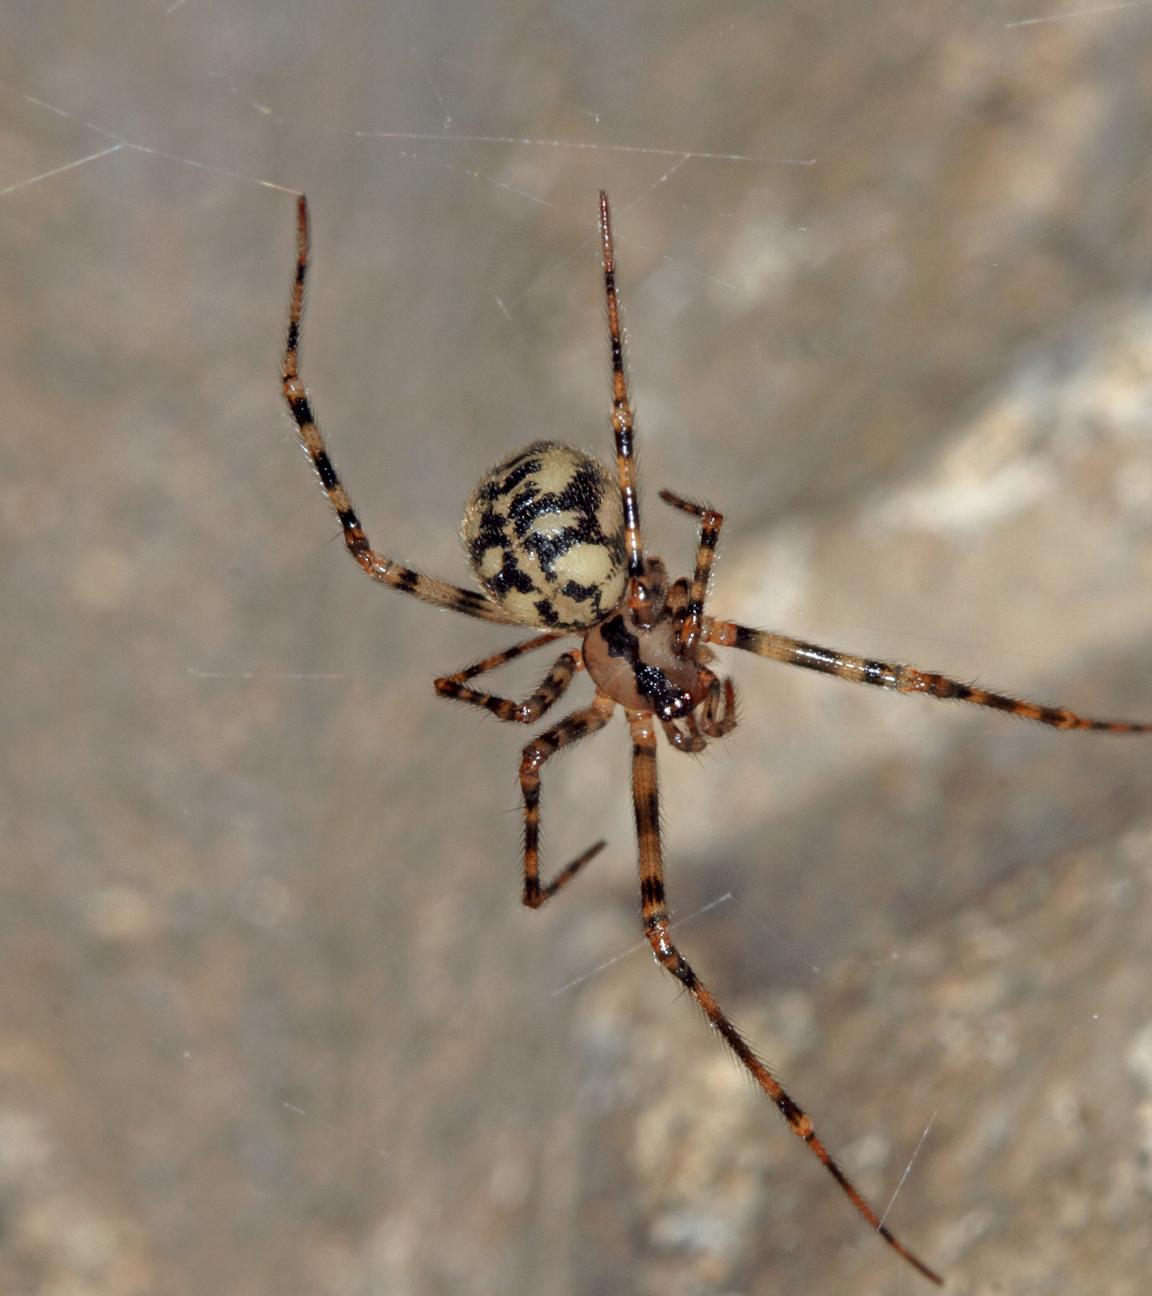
(271, 1016)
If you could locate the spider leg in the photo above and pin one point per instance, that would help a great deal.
(645, 800)
(534, 706)
(569, 730)
(901, 678)
(377, 565)
(687, 739)
(691, 627)
(623, 419)
(718, 719)
(719, 707)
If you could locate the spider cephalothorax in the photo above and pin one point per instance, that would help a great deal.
(636, 657)
(555, 541)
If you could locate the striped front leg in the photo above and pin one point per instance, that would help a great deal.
(902, 678)
(691, 627)
(657, 929)
(623, 419)
(377, 565)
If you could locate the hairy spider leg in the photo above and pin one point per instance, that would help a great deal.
(901, 678)
(377, 565)
(623, 419)
(691, 627)
(645, 799)
(570, 730)
(580, 724)
(551, 688)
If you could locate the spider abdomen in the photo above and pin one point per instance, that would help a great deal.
(544, 530)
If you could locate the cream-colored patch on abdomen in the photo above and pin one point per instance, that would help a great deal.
(592, 564)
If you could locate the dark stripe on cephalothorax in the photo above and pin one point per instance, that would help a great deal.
(651, 682)
(620, 641)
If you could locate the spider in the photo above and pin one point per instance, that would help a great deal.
(555, 540)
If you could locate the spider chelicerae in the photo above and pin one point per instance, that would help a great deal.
(555, 540)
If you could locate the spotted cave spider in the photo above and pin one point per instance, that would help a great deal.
(555, 541)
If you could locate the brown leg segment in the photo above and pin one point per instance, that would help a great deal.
(691, 628)
(623, 418)
(377, 565)
(901, 678)
(719, 706)
(571, 729)
(536, 704)
(656, 928)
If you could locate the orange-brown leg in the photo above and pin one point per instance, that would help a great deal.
(691, 627)
(536, 704)
(377, 565)
(623, 418)
(901, 678)
(657, 929)
(571, 729)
